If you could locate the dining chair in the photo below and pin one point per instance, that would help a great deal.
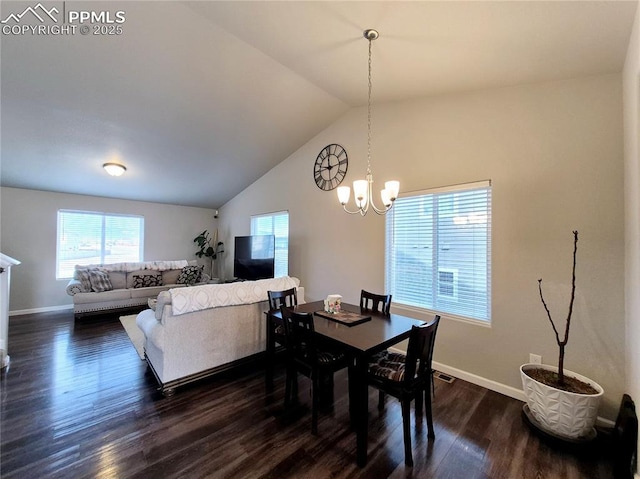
(407, 377)
(309, 358)
(288, 298)
(375, 302)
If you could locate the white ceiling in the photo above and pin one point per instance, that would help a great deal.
(200, 99)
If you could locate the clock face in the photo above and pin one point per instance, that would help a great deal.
(330, 167)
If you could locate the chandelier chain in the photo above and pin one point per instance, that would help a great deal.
(369, 115)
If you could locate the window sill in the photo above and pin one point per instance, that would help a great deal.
(427, 315)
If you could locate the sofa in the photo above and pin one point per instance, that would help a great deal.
(108, 288)
(195, 332)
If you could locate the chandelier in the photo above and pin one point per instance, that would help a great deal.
(363, 189)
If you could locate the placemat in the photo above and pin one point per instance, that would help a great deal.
(345, 317)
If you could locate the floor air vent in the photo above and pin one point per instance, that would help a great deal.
(443, 377)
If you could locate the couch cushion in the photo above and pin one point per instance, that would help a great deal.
(113, 295)
(100, 281)
(196, 298)
(170, 276)
(190, 275)
(150, 292)
(146, 280)
(118, 279)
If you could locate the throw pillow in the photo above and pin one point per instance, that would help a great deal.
(83, 276)
(100, 281)
(147, 280)
(190, 275)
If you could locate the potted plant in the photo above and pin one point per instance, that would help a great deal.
(561, 402)
(207, 248)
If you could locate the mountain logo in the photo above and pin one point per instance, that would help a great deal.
(38, 11)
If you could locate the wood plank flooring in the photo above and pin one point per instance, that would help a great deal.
(77, 402)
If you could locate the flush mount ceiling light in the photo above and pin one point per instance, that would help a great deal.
(362, 189)
(114, 169)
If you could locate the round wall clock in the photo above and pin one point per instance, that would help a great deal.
(330, 167)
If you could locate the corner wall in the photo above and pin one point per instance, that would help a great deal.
(28, 232)
(631, 101)
(554, 154)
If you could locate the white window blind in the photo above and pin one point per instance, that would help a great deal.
(438, 250)
(276, 224)
(86, 237)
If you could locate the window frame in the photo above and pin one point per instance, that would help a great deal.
(435, 267)
(279, 260)
(104, 237)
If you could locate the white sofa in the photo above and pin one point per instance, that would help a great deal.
(126, 288)
(199, 331)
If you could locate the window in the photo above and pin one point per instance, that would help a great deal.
(275, 224)
(438, 251)
(86, 237)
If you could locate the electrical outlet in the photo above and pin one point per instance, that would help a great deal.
(535, 358)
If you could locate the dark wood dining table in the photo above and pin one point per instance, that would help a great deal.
(361, 341)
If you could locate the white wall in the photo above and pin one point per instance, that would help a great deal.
(554, 154)
(28, 230)
(631, 82)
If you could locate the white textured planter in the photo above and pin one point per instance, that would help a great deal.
(563, 413)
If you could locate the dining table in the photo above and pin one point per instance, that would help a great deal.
(361, 341)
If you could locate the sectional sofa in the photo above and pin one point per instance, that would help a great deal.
(195, 332)
(116, 287)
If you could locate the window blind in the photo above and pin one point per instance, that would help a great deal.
(276, 224)
(438, 250)
(86, 237)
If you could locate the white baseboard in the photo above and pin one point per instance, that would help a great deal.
(480, 381)
(497, 387)
(47, 309)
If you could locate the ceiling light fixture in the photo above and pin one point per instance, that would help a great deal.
(114, 169)
(363, 189)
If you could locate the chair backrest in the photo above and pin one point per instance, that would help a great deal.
(375, 302)
(288, 297)
(299, 332)
(420, 351)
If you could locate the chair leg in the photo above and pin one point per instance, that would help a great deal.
(287, 388)
(433, 385)
(406, 427)
(314, 403)
(352, 394)
(419, 405)
(380, 400)
(427, 405)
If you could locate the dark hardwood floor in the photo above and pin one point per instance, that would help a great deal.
(78, 402)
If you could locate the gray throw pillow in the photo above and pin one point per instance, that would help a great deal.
(100, 281)
(82, 275)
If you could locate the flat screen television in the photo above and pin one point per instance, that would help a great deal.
(254, 257)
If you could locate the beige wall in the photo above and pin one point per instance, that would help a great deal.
(631, 82)
(554, 154)
(28, 233)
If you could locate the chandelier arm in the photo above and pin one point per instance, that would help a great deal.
(359, 210)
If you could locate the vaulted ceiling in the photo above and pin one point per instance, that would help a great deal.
(200, 99)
